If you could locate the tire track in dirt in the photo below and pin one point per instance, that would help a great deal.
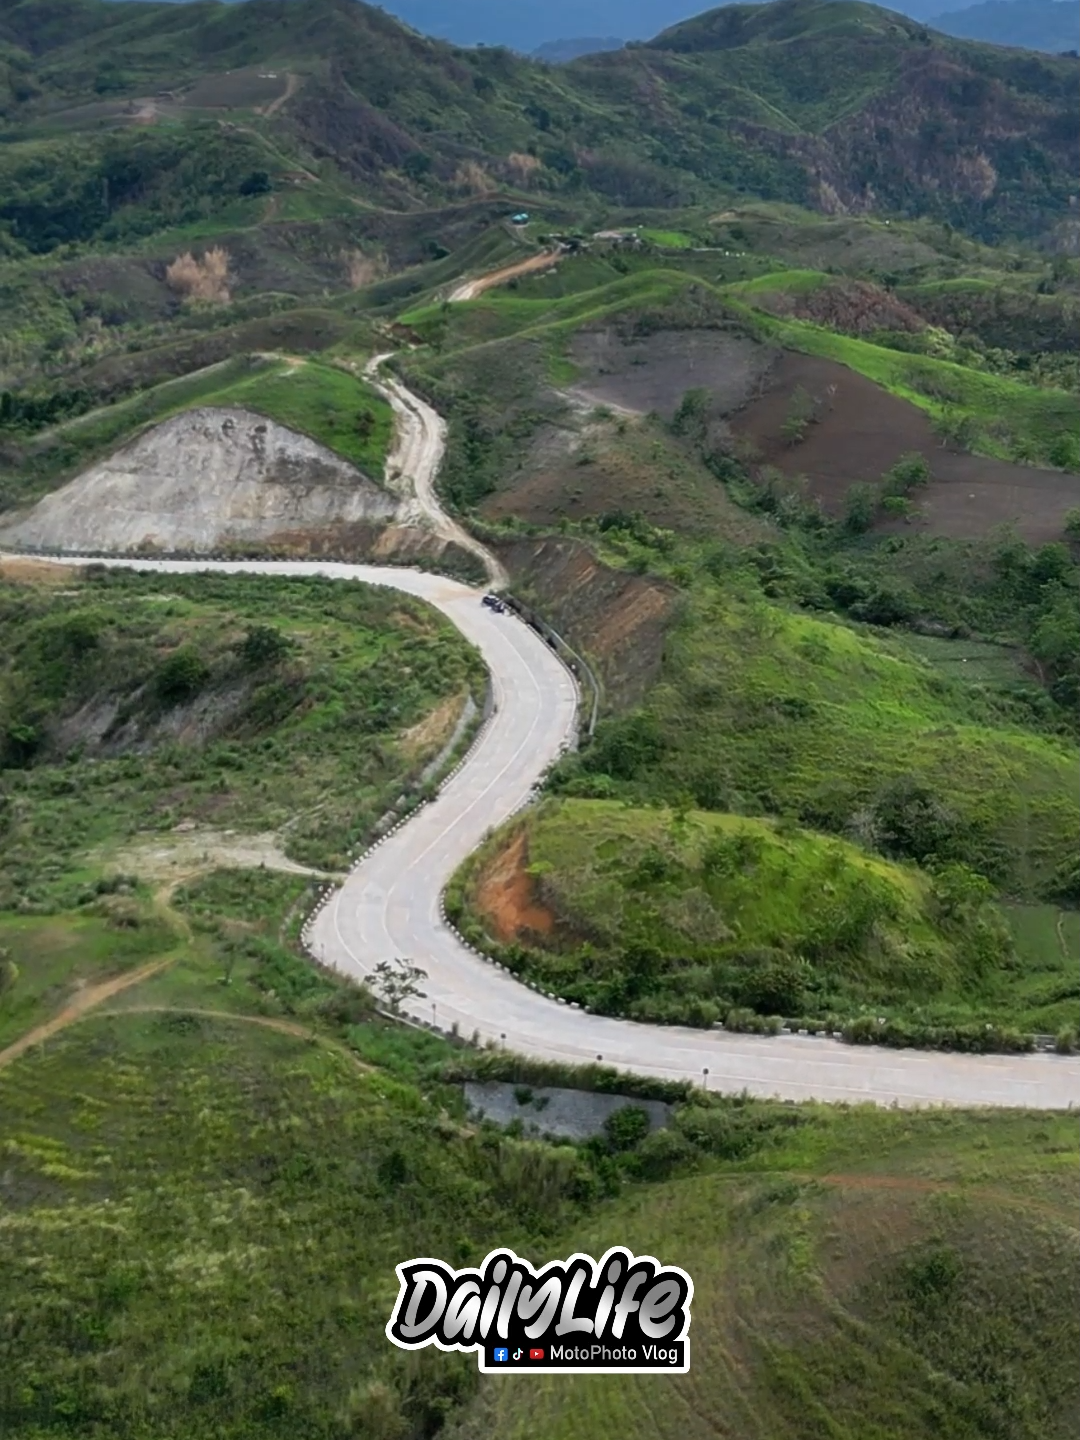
(85, 999)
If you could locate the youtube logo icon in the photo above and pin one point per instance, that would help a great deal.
(536, 1354)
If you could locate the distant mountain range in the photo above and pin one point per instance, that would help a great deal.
(1052, 25)
(834, 104)
(562, 30)
(560, 52)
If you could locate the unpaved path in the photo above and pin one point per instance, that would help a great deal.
(413, 464)
(292, 84)
(268, 1022)
(87, 997)
(470, 289)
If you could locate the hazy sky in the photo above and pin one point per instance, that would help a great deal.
(525, 26)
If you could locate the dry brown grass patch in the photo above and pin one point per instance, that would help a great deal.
(203, 279)
(361, 269)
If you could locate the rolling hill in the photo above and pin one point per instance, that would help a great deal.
(842, 106)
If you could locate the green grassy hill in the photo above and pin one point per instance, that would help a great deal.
(764, 710)
(138, 704)
(697, 916)
(881, 1278)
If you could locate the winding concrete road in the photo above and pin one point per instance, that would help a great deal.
(389, 907)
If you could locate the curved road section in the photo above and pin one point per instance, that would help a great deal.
(389, 908)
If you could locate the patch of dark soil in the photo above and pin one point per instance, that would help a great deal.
(655, 371)
(621, 465)
(615, 619)
(862, 431)
(118, 289)
(295, 332)
(855, 307)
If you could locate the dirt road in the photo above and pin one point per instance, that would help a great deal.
(470, 289)
(413, 465)
(87, 997)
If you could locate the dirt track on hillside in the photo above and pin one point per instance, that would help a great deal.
(470, 289)
(86, 997)
(863, 431)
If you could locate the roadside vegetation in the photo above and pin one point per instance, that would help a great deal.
(176, 1140)
(699, 918)
(215, 703)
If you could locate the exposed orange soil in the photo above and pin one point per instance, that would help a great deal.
(87, 997)
(506, 895)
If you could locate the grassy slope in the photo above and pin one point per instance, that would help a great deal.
(310, 743)
(925, 1292)
(195, 1180)
(719, 897)
(1006, 413)
(762, 707)
(320, 400)
(195, 1183)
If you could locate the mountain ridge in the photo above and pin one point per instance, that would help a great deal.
(841, 106)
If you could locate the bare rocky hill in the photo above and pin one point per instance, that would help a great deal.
(203, 480)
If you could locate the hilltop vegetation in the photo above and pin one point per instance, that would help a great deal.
(705, 107)
(697, 917)
(834, 1296)
(215, 702)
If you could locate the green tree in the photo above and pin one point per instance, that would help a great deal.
(692, 414)
(860, 507)
(181, 676)
(395, 981)
(801, 412)
(626, 1127)
(263, 645)
(257, 183)
(1064, 452)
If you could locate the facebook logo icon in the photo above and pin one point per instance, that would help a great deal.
(502, 1355)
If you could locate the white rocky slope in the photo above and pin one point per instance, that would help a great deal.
(204, 479)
